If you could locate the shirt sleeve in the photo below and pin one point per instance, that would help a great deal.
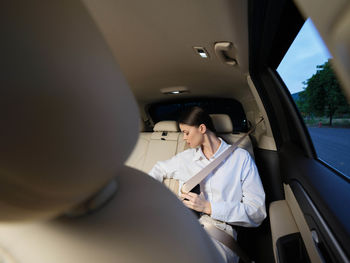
(250, 210)
(164, 169)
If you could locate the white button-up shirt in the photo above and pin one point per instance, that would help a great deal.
(234, 188)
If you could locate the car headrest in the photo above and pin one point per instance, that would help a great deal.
(68, 118)
(169, 126)
(222, 123)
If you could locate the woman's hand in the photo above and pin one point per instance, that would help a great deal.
(197, 202)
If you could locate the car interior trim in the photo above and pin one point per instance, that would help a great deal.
(263, 133)
(321, 225)
(302, 225)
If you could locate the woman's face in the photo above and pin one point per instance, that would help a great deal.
(193, 135)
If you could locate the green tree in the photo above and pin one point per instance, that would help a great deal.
(302, 104)
(322, 94)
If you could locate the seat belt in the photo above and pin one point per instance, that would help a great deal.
(227, 240)
(201, 175)
(212, 230)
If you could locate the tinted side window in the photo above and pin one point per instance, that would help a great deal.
(307, 72)
(171, 110)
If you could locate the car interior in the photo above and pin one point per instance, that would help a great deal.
(91, 91)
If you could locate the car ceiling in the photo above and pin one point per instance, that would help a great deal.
(153, 43)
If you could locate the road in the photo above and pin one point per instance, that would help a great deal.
(333, 146)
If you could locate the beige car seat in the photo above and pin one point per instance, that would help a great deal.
(68, 123)
(224, 129)
(163, 143)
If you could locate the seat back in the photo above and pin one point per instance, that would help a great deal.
(224, 129)
(166, 141)
(138, 156)
(69, 121)
(163, 144)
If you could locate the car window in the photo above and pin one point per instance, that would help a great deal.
(171, 110)
(306, 69)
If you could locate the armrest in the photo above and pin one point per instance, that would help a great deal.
(281, 221)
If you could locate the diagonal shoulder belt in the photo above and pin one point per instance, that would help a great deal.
(201, 175)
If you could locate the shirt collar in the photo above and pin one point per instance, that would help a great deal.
(198, 155)
(222, 147)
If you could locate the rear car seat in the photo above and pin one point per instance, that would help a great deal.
(163, 143)
(137, 157)
(224, 129)
(166, 141)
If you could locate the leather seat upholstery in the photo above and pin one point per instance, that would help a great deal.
(166, 141)
(224, 129)
(69, 122)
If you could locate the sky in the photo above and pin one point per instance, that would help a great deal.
(301, 59)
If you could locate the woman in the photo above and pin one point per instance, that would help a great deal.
(231, 195)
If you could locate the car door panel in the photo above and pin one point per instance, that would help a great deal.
(321, 193)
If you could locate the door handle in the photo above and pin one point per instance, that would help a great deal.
(320, 249)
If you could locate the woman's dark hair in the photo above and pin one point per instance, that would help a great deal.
(196, 116)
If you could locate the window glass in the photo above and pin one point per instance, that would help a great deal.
(307, 72)
(171, 110)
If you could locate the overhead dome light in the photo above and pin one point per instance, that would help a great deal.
(174, 90)
(201, 51)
